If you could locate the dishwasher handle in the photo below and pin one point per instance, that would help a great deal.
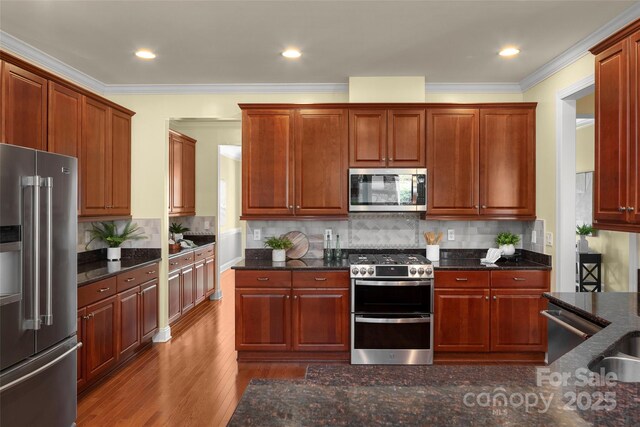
(551, 315)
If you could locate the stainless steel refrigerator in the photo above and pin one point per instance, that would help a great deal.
(38, 288)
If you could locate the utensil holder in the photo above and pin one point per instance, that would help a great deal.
(433, 252)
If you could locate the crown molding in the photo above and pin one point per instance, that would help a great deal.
(36, 56)
(581, 48)
(228, 88)
(472, 88)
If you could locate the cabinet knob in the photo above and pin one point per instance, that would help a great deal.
(384, 159)
(475, 206)
(391, 159)
(495, 297)
(487, 298)
(621, 209)
(287, 297)
(290, 206)
(484, 206)
(298, 207)
(630, 209)
(295, 297)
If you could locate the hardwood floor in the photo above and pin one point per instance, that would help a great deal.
(192, 380)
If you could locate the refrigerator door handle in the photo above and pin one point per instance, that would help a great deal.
(33, 182)
(40, 369)
(47, 318)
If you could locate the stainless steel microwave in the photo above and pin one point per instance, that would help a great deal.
(387, 190)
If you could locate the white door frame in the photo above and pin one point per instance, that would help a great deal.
(566, 181)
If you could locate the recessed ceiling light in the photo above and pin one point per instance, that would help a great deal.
(292, 53)
(145, 54)
(509, 51)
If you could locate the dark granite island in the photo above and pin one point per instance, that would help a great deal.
(464, 395)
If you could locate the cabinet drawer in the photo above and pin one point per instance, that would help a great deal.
(135, 277)
(96, 291)
(263, 279)
(186, 259)
(461, 279)
(200, 253)
(210, 250)
(174, 263)
(320, 279)
(530, 279)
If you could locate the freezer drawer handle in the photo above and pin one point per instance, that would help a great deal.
(40, 369)
(549, 314)
(360, 319)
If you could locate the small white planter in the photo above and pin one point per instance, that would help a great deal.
(113, 254)
(507, 249)
(279, 255)
(178, 236)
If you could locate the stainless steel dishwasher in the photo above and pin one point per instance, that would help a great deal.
(566, 331)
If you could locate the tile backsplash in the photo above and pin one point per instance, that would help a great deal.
(398, 231)
(196, 224)
(150, 227)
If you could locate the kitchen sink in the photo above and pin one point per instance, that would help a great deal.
(626, 369)
(629, 346)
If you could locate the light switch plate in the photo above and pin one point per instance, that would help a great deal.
(534, 238)
(207, 225)
(548, 238)
(257, 234)
(451, 234)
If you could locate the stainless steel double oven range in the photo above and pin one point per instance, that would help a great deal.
(391, 309)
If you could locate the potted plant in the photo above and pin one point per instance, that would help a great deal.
(177, 231)
(279, 246)
(506, 242)
(583, 231)
(108, 233)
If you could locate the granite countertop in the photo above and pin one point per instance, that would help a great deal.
(462, 395)
(199, 239)
(292, 264)
(93, 266)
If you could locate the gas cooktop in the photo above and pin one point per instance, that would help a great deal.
(390, 266)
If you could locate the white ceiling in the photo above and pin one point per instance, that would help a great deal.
(204, 42)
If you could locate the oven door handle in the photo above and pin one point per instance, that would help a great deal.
(393, 283)
(361, 319)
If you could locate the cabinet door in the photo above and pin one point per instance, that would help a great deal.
(119, 164)
(199, 286)
(101, 337)
(189, 176)
(453, 161)
(94, 152)
(129, 309)
(516, 323)
(81, 376)
(634, 138)
(24, 108)
(367, 138)
(176, 204)
(405, 138)
(148, 309)
(267, 162)
(210, 275)
(175, 293)
(461, 320)
(321, 162)
(507, 162)
(65, 120)
(263, 319)
(611, 97)
(320, 320)
(187, 289)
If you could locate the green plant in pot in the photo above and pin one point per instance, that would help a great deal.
(583, 231)
(177, 231)
(108, 233)
(506, 242)
(279, 246)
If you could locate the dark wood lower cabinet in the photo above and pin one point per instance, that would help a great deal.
(187, 289)
(516, 323)
(129, 334)
(148, 309)
(210, 275)
(461, 320)
(175, 292)
(81, 353)
(263, 319)
(320, 320)
(200, 284)
(101, 337)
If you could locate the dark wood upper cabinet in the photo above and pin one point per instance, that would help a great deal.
(65, 120)
(119, 183)
(507, 162)
(453, 161)
(367, 138)
(321, 162)
(94, 157)
(616, 190)
(267, 162)
(24, 108)
(406, 138)
(182, 174)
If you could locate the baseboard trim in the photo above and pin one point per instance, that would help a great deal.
(163, 334)
(227, 265)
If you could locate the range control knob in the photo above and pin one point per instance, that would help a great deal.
(421, 271)
(363, 271)
(371, 271)
(412, 270)
(429, 270)
(355, 271)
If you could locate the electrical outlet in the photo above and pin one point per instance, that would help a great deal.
(257, 234)
(534, 238)
(548, 238)
(328, 232)
(451, 234)
(207, 225)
